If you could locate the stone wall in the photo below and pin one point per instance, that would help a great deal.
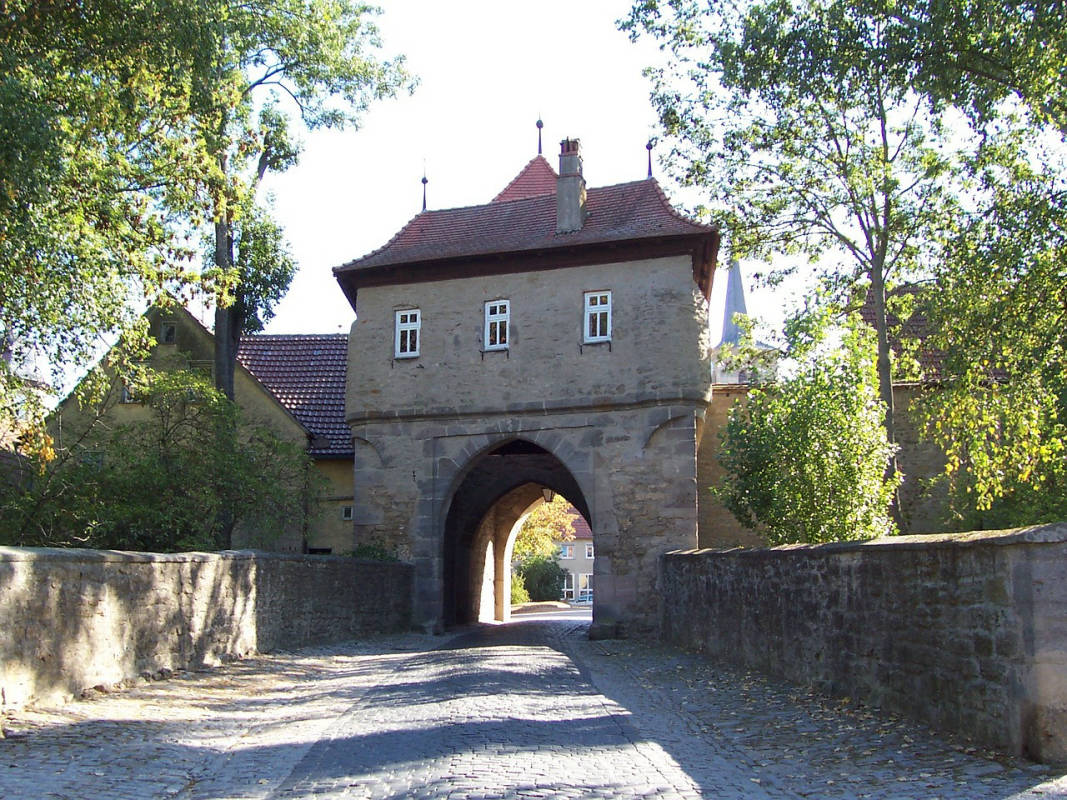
(72, 619)
(967, 632)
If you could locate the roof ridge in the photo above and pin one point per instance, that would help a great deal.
(252, 336)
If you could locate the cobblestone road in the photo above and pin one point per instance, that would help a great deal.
(531, 710)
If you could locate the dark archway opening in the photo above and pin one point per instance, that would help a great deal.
(499, 487)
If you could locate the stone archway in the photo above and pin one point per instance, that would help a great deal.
(497, 491)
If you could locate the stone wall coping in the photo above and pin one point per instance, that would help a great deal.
(1051, 533)
(85, 555)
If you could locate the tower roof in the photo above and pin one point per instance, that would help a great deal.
(735, 304)
(534, 180)
(624, 222)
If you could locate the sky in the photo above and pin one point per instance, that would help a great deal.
(487, 70)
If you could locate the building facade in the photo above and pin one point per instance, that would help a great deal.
(555, 338)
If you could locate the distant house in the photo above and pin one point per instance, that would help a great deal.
(576, 557)
(293, 384)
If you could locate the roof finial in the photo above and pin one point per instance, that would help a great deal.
(424, 182)
(539, 126)
(648, 147)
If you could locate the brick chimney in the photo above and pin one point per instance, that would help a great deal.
(570, 188)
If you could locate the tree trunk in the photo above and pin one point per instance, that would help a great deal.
(885, 380)
(226, 329)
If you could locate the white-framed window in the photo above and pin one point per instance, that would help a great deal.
(566, 551)
(127, 395)
(589, 551)
(168, 333)
(585, 586)
(408, 327)
(568, 585)
(597, 317)
(346, 512)
(497, 323)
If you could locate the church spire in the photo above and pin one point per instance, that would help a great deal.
(735, 304)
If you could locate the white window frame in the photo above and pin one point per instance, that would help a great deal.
(566, 551)
(568, 585)
(346, 512)
(585, 586)
(497, 322)
(404, 327)
(597, 306)
(589, 551)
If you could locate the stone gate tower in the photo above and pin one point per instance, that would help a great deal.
(552, 340)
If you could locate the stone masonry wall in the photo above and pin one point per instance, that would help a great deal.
(967, 632)
(72, 619)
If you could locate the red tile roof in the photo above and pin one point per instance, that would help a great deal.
(915, 327)
(624, 212)
(536, 179)
(581, 527)
(306, 373)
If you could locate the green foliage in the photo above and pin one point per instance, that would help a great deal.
(519, 595)
(548, 524)
(374, 551)
(161, 483)
(803, 148)
(320, 58)
(543, 578)
(902, 141)
(97, 169)
(125, 128)
(999, 320)
(804, 459)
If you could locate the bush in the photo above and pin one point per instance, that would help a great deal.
(374, 551)
(543, 578)
(519, 595)
(804, 460)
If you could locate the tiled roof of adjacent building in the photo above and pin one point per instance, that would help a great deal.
(306, 373)
(621, 213)
(916, 327)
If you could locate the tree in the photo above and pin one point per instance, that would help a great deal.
(98, 169)
(802, 148)
(543, 578)
(319, 55)
(162, 484)
(998, 314)
(551, 522)
(124, 129)
(804, 458)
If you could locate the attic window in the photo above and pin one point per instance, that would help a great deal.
(408, 326)
(168, 333)
(346, 512)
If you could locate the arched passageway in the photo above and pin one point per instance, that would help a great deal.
(498, 491)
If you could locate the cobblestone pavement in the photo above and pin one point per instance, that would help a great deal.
(529, 710)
